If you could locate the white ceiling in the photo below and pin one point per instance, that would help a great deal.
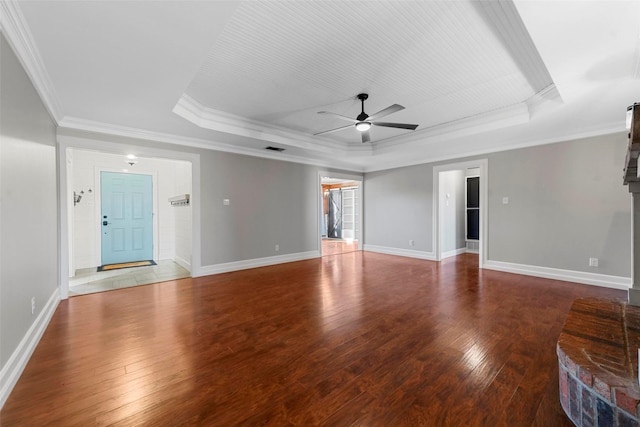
(477, 76)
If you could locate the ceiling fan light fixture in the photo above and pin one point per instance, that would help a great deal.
(363, 121)
(363, 126)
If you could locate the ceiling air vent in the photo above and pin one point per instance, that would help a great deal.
(274, 149)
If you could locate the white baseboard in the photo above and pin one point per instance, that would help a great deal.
(12, 370)
(595, 279)
(454, 252)
(182, 263)
(400, 252)
(206, 270)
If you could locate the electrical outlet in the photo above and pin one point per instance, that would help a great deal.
(33, 305)
(593, 262)
(277, 248)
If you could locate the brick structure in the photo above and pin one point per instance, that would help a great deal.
(598, 363)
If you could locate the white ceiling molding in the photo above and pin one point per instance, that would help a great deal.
(504, 18)
(82, 125)
(201, 116)
(207, 118)
(484, 122)
(438, 152)
(16, 31)
(546, 98)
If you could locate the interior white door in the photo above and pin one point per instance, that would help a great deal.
(348, 214)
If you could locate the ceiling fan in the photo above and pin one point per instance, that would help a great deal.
(364, 122)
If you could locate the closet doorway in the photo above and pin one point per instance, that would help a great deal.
(340, 216)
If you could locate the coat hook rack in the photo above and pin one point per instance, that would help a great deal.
(78, 196)
(181, 200)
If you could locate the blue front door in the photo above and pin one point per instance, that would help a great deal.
(127, 217)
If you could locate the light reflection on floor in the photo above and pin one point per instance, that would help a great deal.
(341, 295)
(338, 246)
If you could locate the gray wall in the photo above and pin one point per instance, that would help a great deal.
(566, 204)
(398, 207)
(28, 205)
(270, 202)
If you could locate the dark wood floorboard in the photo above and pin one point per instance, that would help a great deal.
(358, 339)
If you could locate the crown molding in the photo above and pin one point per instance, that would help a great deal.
(83, 125)
(484, 122)
(411, 157)
(16, 31)
(546, 98)
(479, 123)
(191, 110)
(433, 156)
(503, 17)
(207, 118)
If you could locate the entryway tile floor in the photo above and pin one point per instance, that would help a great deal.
(88, 280)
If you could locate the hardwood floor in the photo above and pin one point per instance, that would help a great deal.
(338, 246)
(349, 340)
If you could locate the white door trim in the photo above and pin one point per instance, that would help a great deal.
(483, 164)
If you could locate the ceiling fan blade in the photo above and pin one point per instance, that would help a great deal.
(365, 136)
(385, 112)
(395, 125)
(334, 130)
(338, 116)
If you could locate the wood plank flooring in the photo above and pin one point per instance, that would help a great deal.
(359, 339)
(337, 246)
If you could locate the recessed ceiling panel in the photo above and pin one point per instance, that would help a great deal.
(281, 62)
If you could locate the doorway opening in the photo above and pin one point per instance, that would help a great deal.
(340, 214)
(124, 214)
(460, 206)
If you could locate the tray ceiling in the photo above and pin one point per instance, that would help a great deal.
(476, 76)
